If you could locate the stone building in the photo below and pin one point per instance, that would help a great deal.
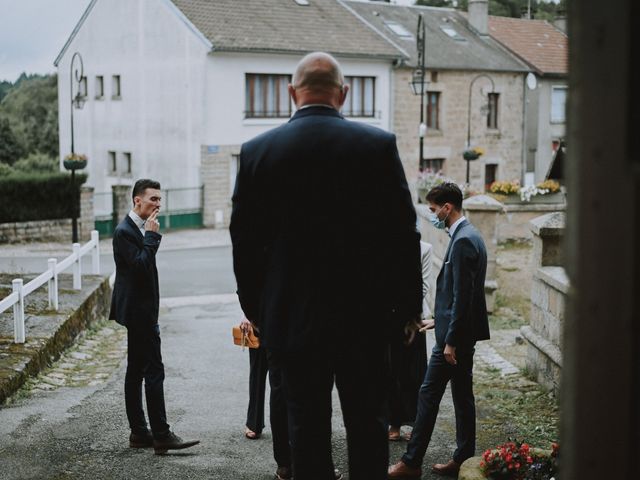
(461, 59)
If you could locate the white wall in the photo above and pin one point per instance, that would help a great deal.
(225, 96)
(159, 116)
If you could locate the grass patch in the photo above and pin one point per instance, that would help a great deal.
(514, 244)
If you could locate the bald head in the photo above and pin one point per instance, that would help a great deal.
(318, 79)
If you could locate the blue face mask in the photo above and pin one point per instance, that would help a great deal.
(435, 220)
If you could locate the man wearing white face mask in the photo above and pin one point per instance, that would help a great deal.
(460, 321)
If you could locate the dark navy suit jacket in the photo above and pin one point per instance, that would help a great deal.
(460, 305)
(136, 295)
(325, 247)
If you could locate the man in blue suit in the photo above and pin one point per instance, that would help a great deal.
(134, 304)
(460, 321)
(327, 262)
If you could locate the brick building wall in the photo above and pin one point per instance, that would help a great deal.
(503, 146)
(218, 170)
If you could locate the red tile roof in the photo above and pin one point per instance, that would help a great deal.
(537, 42)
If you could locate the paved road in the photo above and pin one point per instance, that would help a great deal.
(79, 432)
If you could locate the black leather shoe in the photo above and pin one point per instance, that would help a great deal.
(141, 440)
(171, 442)
(284, 473)
(337, 474)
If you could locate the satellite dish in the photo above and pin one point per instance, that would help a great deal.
(532, 83)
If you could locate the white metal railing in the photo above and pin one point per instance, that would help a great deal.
(21, 290)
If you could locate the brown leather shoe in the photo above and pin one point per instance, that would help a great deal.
(402, 470)
(449, 469)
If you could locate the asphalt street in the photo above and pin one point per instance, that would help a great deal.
(75, 432)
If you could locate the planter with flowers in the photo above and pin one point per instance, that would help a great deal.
(473, 153)
(75, 161)
(512, 192)
(513, 460)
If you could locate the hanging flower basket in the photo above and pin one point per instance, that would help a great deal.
(75, 161)
(473, 153)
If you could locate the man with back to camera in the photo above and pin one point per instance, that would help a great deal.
(460, 321)
(135, 304)
(327, 262)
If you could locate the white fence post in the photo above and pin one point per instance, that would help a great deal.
(95, 253)
(18, 312)
(53, 284)
(77, 267)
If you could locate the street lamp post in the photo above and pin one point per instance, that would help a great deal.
(468, 146)
(73, 164)
(418, 83)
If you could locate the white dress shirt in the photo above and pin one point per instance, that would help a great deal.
(138, 221)
(453, 227)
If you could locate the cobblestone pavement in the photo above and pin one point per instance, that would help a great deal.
(97, 354)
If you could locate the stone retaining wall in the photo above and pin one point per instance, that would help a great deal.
(58, 230)
(515, 224)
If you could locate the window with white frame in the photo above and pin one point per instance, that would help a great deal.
(112, 164)
(99, 87)
(558, 104)
(116, 92)
(266, 96)
(361, 99)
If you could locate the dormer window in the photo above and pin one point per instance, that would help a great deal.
(302, 3)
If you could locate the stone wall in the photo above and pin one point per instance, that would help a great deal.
(217, 168)
(548, 298)
(516, 223)
(58, 230)
(503, 147)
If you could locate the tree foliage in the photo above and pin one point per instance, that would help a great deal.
(29, 118)
(540, 9)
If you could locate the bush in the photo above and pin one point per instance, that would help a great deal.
(5, 170)
(37, 163)
(25, 197)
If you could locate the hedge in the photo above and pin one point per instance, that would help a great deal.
(25, 197)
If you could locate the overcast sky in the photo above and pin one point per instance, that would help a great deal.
(32, 33)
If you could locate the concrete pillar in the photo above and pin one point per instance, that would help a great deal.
(484, 213)
(548, 233)
(87, 217)
(122, 202)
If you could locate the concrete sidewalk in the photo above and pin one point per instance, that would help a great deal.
(171, 240)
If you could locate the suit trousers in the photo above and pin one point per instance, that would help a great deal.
(144, 362)
(439, 373)
(361, 375)
(258, 368)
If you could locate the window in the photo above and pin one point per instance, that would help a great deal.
(266, 96)
(490, 171)
(361, 100)
(99, 87)
(116, 92)
(82, 88)
(127, 162)
(558, 103)
(434, 76)
(492, 115)
(399, 30)
(112, 165)
(432, 164)
(433, 110)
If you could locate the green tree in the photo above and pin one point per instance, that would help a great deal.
(37, 163)
(10, 148)
(5, 86)
(31, 107)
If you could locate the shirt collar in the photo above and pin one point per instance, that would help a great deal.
(137, 220)
(454, 227)
(316, 105)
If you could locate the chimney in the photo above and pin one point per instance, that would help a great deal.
(479, 15)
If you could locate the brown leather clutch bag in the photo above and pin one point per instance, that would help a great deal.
(245, 339)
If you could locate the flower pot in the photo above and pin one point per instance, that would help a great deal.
(74, 164)
(470, 155)
(556, 197)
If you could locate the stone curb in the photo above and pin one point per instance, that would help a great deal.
(29, 359)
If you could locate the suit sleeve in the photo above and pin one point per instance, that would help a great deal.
(247, 255)
(403, 238)
(140, 260)
(464, 260)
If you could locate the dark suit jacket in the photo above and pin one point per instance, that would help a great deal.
(136, 296)
(460, 305)
(325, 247)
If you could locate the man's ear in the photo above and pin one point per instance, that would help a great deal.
(292, 94)
(343, 96)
